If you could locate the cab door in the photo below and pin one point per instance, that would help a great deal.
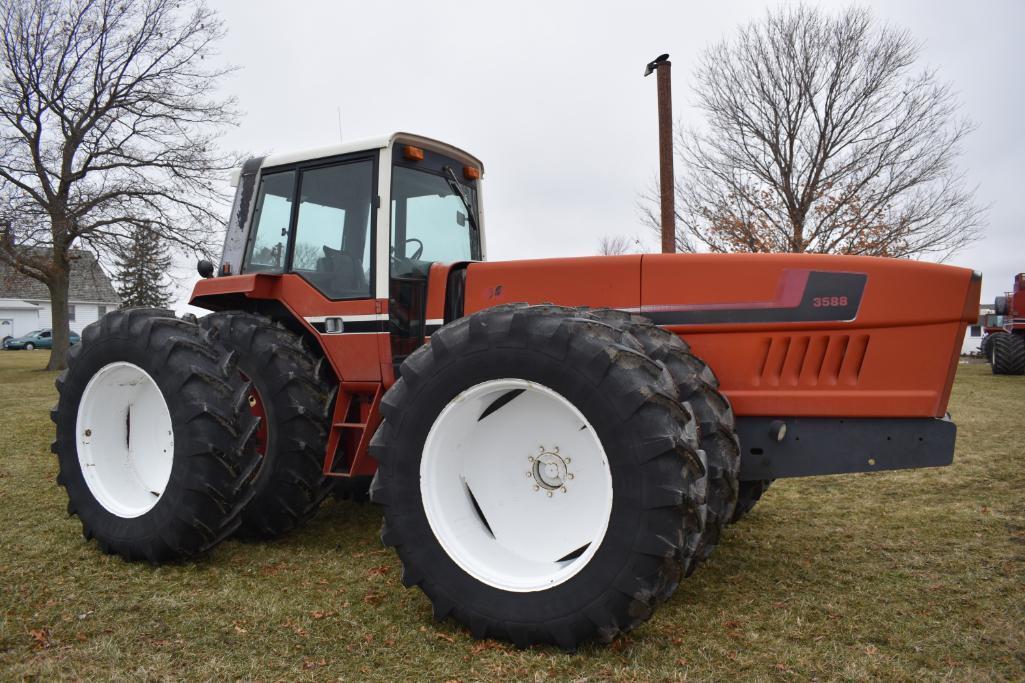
(430, 223)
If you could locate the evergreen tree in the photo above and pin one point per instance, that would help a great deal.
(141, 270)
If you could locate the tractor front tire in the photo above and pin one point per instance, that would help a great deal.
(1007, 354)
(750, 493)
(292, 399)
(986, 346)
(539, 478)
(155, 442)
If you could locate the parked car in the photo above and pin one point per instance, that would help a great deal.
(39, 339)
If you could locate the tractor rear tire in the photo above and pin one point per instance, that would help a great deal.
(155, 442)
(750, 493)
(1007, 354)
(545, 548)
(289, 484)
(698, 388)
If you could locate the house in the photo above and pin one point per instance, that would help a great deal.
(25, 302)
(974, 334)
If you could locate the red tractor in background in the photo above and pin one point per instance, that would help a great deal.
(1004, 343)
(555, 443)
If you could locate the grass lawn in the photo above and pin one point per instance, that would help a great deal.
(906, 575)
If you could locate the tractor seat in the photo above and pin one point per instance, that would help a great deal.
(344, 274)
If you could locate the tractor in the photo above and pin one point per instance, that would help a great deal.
(555, 443)
(1004, 343)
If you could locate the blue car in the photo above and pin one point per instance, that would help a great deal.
(39, 339)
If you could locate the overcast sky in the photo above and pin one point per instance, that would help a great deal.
(551, 97)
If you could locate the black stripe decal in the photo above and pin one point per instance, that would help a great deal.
(827, 297)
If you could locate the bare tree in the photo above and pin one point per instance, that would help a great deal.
(106, 126)
(618, 244)
(820, 137)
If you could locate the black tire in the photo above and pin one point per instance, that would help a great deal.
(356, 489)
(750, 493)
(289, 484)
(1007, 354)
(649, 438)
(986, 345)
(213, 431)
(697, 387)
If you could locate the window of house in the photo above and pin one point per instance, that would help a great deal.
(976, 331)
(71, 313)
(101, 311)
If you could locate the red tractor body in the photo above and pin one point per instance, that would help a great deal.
(1004, 342)
(789, 335)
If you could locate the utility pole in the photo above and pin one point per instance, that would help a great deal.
(662, 65)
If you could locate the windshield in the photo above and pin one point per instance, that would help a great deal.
(429, 222)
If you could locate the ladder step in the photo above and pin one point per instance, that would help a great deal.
(350, 425)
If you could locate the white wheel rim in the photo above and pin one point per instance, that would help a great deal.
(125, 439)
(539, 476)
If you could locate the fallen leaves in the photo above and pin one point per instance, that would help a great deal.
(322, 614)
(41, 637)
(374, 598)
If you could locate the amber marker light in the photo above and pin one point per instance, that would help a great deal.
(413, 153)
(471, 173)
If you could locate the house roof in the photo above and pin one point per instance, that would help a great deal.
(17, 305)
(88, 282)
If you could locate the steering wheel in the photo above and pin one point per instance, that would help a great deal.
(419, 250)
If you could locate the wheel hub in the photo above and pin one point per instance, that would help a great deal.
(549, 470)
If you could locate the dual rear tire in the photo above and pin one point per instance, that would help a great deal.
(172, 435)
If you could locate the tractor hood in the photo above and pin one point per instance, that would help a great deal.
(794, 334)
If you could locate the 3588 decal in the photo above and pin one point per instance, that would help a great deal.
(829, 301)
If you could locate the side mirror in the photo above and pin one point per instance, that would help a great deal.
(205, 268)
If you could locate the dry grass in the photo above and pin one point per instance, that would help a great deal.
(896, 576)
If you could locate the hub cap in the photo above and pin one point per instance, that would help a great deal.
(516, 485)
(125, 439)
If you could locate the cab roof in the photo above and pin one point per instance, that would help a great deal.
(369, 144)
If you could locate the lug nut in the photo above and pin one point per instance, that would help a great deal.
(549, 494)
(530, 458)
(536, 487)
(567, 460)
(569, 475)
(563, 489)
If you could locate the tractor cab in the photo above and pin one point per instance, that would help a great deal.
(352, 231)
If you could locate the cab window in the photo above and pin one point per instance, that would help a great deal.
(271, 219)
(332, 238)
(429, 221)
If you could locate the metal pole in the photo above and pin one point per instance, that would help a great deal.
(667, 190)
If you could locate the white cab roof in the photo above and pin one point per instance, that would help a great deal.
(367, 144)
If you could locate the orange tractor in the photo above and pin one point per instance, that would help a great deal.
(555, 443)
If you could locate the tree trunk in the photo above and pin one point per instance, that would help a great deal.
(58, 287)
